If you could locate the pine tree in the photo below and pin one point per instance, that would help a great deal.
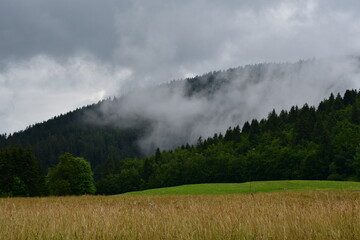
(355, 114)
(157, 155)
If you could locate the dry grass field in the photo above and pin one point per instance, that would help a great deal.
(281, 215)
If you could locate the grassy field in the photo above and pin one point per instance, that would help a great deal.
(277, 215)
(252, 187)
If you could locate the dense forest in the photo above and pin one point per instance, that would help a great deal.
(298, 143)
(75, 131)
(108, 130)
(20, 173)
(302, 143)
(69, 133)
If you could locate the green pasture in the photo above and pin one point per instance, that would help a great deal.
(251, 187)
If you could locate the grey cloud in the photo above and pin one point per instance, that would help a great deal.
(184, 33)
(36, 90)
(174, 118)
(201, 36)
(158, 41)
(56, 28)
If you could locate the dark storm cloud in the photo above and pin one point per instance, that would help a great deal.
(57, 28)
(131, 43)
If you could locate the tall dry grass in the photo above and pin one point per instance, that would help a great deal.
(287, 215)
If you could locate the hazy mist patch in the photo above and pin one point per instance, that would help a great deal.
(174, 117)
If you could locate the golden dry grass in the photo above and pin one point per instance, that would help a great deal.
(285, 215)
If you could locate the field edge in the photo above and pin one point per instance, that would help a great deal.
(251, 187)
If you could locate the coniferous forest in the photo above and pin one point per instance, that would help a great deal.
(303, 143)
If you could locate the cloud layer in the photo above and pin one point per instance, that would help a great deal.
(121, 45)
(174, 118)
(40, 88)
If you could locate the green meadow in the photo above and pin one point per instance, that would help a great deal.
(252, 187)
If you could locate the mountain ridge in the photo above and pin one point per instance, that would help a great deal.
(134, 125)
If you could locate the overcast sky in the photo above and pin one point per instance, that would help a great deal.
(57, 55)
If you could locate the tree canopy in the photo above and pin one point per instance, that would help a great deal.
(303, 143)
(20, 173)
(71, 176)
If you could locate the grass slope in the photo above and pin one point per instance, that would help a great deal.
(251, 187)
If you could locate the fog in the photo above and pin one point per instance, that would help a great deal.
(174, 117)
(56, 56)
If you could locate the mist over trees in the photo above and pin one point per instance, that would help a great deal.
(303, 143)
(119, 135)
(172, 114)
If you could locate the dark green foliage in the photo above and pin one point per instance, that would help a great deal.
(72, 176)
(99, 140)
(124, 175)
(356, 163)
(71, 133)
(349, 97)
(304, 143)
(355, 114)
(20, 173)
(87, 131)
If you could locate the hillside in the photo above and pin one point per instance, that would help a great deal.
(177, 113)
(90, 131)
(118, 136)
(305, 143)
(251, 187)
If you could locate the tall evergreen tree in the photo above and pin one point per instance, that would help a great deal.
(355, 114)
(20, 173)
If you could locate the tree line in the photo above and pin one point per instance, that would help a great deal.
(21, 175)
(97, 140)
(302, 143)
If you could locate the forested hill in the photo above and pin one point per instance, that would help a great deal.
(303, 143)
(70, 133)
(76, 132)
(177, 113)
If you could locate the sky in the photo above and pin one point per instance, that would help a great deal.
(56, 56)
